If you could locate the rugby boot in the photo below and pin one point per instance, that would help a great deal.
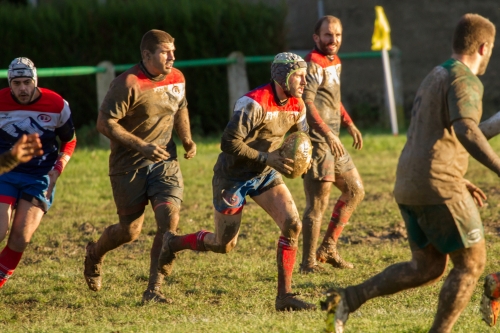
(490, 301)
(292, 303)
(156, 296)
(167, 256)
(311, 269)
(92, 269)
(328, 253)
(337, 310)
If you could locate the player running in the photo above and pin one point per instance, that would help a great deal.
(250, 164)
(436, 202)
(27, 192)
(140, 110)
(331, 164)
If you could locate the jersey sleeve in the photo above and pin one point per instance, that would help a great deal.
(344, 116)
(118, 99)
(314, 79)
(465, 98)
(247, 115)
(302, 121)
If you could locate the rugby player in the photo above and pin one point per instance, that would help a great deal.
(34, 115)
(437, 204)
(141, 108)
(331, 164)
(250, 164)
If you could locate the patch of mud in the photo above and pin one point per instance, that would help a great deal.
(87, 228)
(394, 233)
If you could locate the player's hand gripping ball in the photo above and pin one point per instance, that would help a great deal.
(297, 147)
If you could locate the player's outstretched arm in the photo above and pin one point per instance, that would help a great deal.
(474, 141)
(183, 129)
(491, 126)
(109, 126)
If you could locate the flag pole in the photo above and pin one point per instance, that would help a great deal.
(390, 91)
(381, 41)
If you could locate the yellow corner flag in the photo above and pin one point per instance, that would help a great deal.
(381, 39)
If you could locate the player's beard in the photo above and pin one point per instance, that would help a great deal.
(326, 51)
(483, 65)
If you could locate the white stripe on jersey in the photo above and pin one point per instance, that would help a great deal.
(32, 121)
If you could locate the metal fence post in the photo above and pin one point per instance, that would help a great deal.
(103, 80)
(236, 78)
(397, 82)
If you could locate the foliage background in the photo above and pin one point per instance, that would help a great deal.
(84, 33)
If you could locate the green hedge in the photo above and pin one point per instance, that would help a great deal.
(82, 33)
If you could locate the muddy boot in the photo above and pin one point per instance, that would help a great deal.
(290, 302)
(167, 256)
(337, 310)
(311, 269)
(92, 269)
(327, 253)
(490, 302)
(155, 295)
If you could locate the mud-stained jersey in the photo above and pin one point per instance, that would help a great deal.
(49, 116)
(145, 107)
(325, 111)
(259, 124)
(433, 162)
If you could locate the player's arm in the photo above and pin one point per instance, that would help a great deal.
(109, 126)
(67, 134)
(314, 78)
(491, 126)
(464, 103)
(476, 144)
(183, 129)
(347, 122)
(246, 116)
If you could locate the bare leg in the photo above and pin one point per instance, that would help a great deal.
(468, 265)
(278, 203)
(426, 267)
(225, 237)
(317, 195)
(5, 217)
(351, 186)
(26, 220)
(127, 230)
(167, 219)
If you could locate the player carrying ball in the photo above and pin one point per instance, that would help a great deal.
(250, 164)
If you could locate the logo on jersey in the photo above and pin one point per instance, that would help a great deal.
(45, 118)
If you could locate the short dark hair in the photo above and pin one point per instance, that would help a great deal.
(471, 32)
(153, 38)
(329, 19)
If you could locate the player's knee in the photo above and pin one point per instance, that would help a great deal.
(293, 227)
(166, 215)
(225, 247)
(358, 191)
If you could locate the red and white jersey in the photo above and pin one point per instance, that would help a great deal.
(49, 116)
(259, 124)
(323, 89)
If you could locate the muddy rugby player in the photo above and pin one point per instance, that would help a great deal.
(140, 110)
(250, 164)
(332, 164)
(27, 191)
(436, 202)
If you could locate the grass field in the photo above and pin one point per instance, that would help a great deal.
(214, 292)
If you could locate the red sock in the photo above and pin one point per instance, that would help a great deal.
(286, 260)
(191, 241)
(9, 260)
(337, 224)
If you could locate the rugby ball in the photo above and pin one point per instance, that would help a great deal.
(297, 147)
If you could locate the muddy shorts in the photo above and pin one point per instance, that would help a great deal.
(229, 195)
(158, 182)
(449, 227)
(325, 165)
(16, 185)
